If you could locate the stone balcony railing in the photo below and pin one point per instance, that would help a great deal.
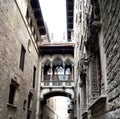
(67, 77)
(60, 84)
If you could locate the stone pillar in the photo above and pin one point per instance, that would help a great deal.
(72, 72)
(51, 72)
(42, 73)
(64, 71)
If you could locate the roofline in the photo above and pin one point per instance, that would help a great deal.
(58, 45)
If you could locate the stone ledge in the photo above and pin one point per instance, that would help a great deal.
(11, 106)
(101, 98)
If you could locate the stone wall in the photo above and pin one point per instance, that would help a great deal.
(14, 34)
(109, 45)
(105, 30)
(110, 16)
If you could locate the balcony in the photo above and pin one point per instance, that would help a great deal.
(58, 84)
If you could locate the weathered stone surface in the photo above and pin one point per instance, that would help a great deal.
(13, 33)
(110, 14)
(109, 46)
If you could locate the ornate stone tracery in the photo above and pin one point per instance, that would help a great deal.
(57, 69)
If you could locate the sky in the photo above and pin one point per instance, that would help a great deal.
(54, 14)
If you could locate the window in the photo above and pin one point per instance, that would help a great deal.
(68, 70)
(47, 70)
(22, 58)
(58, 69)
(68, 73)
(30, 100)
(59, 73)
(24, 104)
(34, 74)
(29, 105)
(13, 88)
(12, 93)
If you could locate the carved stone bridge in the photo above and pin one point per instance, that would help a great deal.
(55, 88)
(57, 70)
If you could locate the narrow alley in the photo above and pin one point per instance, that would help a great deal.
(59, 59)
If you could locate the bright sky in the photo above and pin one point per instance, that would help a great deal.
(54, 14)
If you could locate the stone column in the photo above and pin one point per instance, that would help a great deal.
(42, 73)
(72, 72)
(51, 72)
(64, 71)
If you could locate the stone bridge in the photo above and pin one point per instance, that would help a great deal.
(57, 88)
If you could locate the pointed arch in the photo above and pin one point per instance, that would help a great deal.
(57, 56)
(57, 61)
(47, 62)
(68, 61)
(68, 69)
(46, 69)
(58, 69)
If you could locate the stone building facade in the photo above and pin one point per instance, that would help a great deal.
(22, 31)
(19, 59)
(98, 77)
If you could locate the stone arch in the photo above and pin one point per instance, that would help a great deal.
(57, 93)
(57, 61)
(44, 60)
(58, 69)
(46, 64)
(68, 69)
(57, 56)
(51, 93)
(69, 61)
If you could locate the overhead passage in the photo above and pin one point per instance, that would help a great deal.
(67, 48)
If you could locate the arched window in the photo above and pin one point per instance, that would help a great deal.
(58, 69)
(57, 61)
(68, 70)
(47, 70)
